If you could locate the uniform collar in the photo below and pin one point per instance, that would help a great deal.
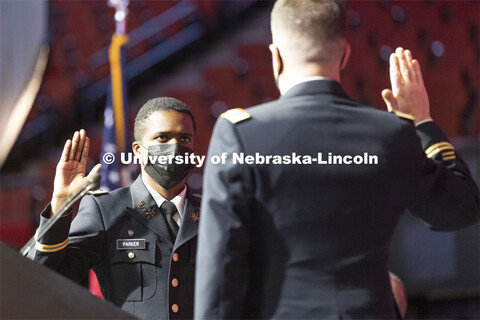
(314, 85)
(178, 200)
(144, 209)
(306, 79)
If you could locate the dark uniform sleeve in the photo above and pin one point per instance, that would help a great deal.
(223, 245)
(71, 248)
(447, 198)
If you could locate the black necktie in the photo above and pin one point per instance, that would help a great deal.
(168, 209)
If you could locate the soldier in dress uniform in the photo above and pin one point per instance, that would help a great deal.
(140, 240)
(287, 240)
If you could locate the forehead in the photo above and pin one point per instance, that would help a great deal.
(168, 121)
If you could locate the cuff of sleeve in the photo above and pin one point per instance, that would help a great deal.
(424, 121)
(434, 142)
(430, 134)
(57, 237)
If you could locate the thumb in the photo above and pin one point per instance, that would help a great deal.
(94, 171)
(389, 99)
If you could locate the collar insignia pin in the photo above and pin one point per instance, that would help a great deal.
(150, 213)
(141, 204)
(195, 217)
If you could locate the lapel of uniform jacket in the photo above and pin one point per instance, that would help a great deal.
(190, 220)
(143, 206)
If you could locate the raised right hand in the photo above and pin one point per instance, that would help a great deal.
(408, 93)
(70, 173)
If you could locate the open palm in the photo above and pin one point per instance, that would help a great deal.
(70, 173)
(408, 93)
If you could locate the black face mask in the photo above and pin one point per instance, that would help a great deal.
(167, 175)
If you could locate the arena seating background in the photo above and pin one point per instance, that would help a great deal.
(443, 35)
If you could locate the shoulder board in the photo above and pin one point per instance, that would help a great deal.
(98, 192)
(235, 115)
(403, 115)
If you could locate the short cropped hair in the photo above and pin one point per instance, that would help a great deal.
(158, 104)
(308, 24)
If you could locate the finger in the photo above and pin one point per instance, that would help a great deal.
(81, 144)
(389, 99)
(409, 57)
(403, 65)
(86, 147)
(417, 70)
(66, 151)
(395, 75)
(73, 149)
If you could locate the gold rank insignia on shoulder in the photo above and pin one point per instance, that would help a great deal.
(403, 115)
(235, 115)
(97, 192)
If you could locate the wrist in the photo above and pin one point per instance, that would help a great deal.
(56, 203)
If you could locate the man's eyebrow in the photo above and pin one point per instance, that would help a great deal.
(161, 132)
(171, 132)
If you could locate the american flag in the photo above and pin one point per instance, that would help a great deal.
(115, 134)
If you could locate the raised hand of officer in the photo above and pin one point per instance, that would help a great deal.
(70, 174)
(408, 93)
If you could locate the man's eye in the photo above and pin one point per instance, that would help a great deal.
(186, 139)
(162, 138)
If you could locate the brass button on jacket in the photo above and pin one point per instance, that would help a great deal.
(174, 308)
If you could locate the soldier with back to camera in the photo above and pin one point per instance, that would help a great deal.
(310, 241)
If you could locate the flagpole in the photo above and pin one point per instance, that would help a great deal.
(119, 40)
(121, 12)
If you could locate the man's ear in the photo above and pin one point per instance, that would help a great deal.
(139, 152)
(276, 59)
(346, 55)
(136, 148)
